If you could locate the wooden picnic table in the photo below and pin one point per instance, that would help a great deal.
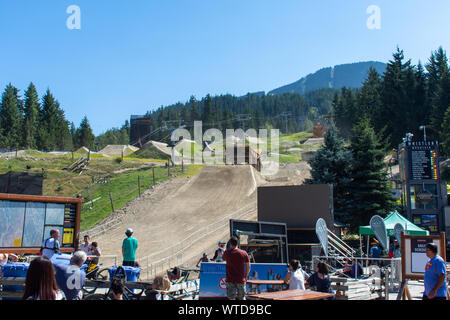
(290, 295)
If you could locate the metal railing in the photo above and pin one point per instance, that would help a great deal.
(161, 261)
(375, 267)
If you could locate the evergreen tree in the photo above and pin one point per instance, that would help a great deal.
(369, 189)
(31, 117)
(48, 129)
(437, 77)
(10, 117)
(445, 133)
(331, 165)
(84, 135)
(369, 99)
(395, 98)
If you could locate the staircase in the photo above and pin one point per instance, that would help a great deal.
(340, 250)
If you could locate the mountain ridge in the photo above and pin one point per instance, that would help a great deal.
(350, 75)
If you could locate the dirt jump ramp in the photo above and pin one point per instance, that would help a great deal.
(214, 193)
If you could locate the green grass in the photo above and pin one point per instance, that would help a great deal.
(122, 185)
(123, 188)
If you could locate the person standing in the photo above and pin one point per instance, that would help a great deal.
(95, 251)
(295, 277)
(50, 246)
(435, 275)
(86, 246)
(237, 270)
(70, 278)
(204, 258)
(375, 252)
(129, 246)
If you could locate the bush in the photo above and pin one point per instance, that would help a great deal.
(118, 160)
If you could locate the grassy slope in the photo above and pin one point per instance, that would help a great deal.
(122, 179)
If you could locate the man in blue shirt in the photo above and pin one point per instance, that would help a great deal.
(435, 275)
(69, 277)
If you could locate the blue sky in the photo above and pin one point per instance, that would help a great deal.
(132, 56)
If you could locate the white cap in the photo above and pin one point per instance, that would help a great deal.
(129, 231)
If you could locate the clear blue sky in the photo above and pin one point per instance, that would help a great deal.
(133, 56)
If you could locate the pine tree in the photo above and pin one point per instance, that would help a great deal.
(445, 133)
(84, 135)
(48, 128)
(438, 70)
(31, 117)
(369, 99)
(331, 165)
(369, 189)
(10, 119)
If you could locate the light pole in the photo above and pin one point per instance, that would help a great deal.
(424, 132)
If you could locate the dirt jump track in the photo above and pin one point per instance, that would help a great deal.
(195, 214)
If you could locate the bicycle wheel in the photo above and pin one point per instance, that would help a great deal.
(103, 274)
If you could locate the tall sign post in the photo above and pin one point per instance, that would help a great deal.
(421, 189)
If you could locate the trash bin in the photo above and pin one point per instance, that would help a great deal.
(15, 270)
(132, 273)
(61, 258)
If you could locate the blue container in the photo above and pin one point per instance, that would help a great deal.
(132, 273)
(17, 270)
(61, 258)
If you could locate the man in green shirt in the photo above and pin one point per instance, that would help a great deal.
(129, 246)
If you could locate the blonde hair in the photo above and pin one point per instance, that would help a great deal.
(161, 283)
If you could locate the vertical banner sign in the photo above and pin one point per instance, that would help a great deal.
(379, 229)
(322, 234)
(398, 229)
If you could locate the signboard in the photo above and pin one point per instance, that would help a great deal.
(429, 222)
(25, 221)
(379, 229)
(322, 234)
(414, 256)
(213, 278)
(423, 165)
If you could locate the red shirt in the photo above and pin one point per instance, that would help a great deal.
(236, 260)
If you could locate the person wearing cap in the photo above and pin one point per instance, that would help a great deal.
(219, 252)
(129, 246)
(204, 258)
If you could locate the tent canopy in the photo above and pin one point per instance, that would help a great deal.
(390, 221)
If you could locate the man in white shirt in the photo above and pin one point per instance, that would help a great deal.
(86, 246)
(50, 246)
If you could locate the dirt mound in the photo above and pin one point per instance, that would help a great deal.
(117, 149)
(155, 150)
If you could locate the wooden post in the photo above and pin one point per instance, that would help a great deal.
(139, 185)
(182, 162)
(168, 168)
(122, 155)
(16, 151)
(112, 203)
(89, 155)
(153, 170)
(72, 154)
